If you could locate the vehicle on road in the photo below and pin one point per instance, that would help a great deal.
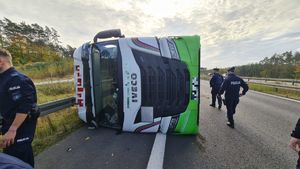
(143, 84)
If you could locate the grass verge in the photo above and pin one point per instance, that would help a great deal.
(42, 70)
(294, 94)
(54, 127)
(204, 77)
(51, 92)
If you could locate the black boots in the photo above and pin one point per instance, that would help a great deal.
(231, 125)
(219, 107)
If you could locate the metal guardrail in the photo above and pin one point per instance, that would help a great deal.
(290, 84)
(55, 106)
(52, 107)
(293, 81)
(279, 86)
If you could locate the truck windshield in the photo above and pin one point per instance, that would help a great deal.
(105, 82)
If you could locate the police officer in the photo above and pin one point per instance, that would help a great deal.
(231, 87)
(295, 142)
(17, 101)
(7, 161)
(215, 84)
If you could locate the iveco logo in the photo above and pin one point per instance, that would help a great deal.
(134, 90)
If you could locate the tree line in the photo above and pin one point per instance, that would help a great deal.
(284, 65)
(30, 43)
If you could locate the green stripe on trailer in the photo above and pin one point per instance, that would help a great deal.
(188, 49)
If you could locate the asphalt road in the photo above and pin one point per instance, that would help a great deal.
(98, 149)
(260, 140)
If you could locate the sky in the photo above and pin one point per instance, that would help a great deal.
(233, 32)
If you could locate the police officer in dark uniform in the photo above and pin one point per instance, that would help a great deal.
(7, 161)
(295, 142)
(231, 87)
(17, 103)
(215, 84)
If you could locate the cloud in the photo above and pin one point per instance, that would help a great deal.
(232, 32)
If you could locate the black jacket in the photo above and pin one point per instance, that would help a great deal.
(296, 131)
(216, 82)
(231, 86)
(10, 162)
(17, 95)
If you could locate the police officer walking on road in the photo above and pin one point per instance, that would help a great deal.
(295, 142)
(215, 84)
(231, 87)
(17, 103)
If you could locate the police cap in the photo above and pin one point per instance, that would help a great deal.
(231, 69)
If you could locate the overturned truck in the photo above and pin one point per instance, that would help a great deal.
(144, 84)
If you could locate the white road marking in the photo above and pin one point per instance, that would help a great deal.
(279, 97)
(156, 159)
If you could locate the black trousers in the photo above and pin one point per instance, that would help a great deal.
(231, 106)
(214, 96)
(22, 151)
